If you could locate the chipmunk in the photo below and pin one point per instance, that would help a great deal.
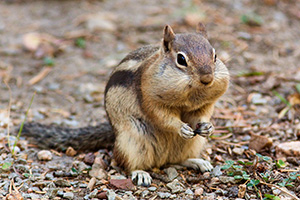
(155, 98)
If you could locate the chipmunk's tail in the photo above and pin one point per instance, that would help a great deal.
(81, 139)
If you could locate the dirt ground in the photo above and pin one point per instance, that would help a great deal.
(65, 50)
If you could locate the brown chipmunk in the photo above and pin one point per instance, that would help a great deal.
(155, 99)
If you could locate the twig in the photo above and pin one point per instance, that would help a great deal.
(40, 76)
(234, 144)
(222, 138)
(282, 190)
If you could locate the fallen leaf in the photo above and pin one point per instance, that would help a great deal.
(259, 142)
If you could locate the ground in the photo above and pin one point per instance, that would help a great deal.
(64, 52)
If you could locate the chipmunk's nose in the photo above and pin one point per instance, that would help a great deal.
(206, 75)
(206, 79)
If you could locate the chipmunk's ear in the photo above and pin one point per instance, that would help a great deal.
(169, 36)
(201, 29)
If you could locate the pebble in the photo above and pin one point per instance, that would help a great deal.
(199, 191)
(217, 171)
(52, 192)
(111, 195)
(93, 194)
(91, 183)
(102, 21)
(71, 152)
(244, 35)
(215, 181)
(44, 155)
(189, 192)
(171, 172)
(98, 172)
(60, 193)
(62, 182)
(238, 151)
(82, 185)
(68, 195)
(227, 179)
(152, 188)
(145, 193)
(175, 186)
(289, 148)
(258, 99)
(34, 196)
(49, 176)
(117, 177)
(89, 158)
(164, 195)
(53, 86)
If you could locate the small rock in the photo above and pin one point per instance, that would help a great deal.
(259, 142)
(238, 151)
(102, 21)
(206, 175)
(152, 188)
(93, 194)
(111, 195)
(92, 183)
(175, 186)
(171, 172)
(215, 181)
(233, 191)
(210, 196)
(102, 195)
(49, 176)
(97, 172)
(244, 35)
(257, 99)
(199, 191)
(145, 193)
(125, 184)
(71, 152)
(82, 185)
(59, 173)
(62, 182)
(60, 193)
(53, 86)
(89, 158)
(189, 192)
(289, 148)
(68, 195)
(217, 171)
(164, 195)
(227, 179)
(44, 155)
(52, 192)
(34, 196)
(117, 177)
(82, 166)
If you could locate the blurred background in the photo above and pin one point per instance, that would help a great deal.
(65, 50)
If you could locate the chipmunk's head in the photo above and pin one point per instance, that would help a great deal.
(192, 54)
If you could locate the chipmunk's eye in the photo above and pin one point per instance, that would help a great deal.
(181, 59)
(215, 59)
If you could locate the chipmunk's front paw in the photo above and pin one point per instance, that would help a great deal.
(141, 178)
(204, 129)
(186, 132)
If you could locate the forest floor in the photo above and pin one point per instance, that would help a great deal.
(64, 51)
